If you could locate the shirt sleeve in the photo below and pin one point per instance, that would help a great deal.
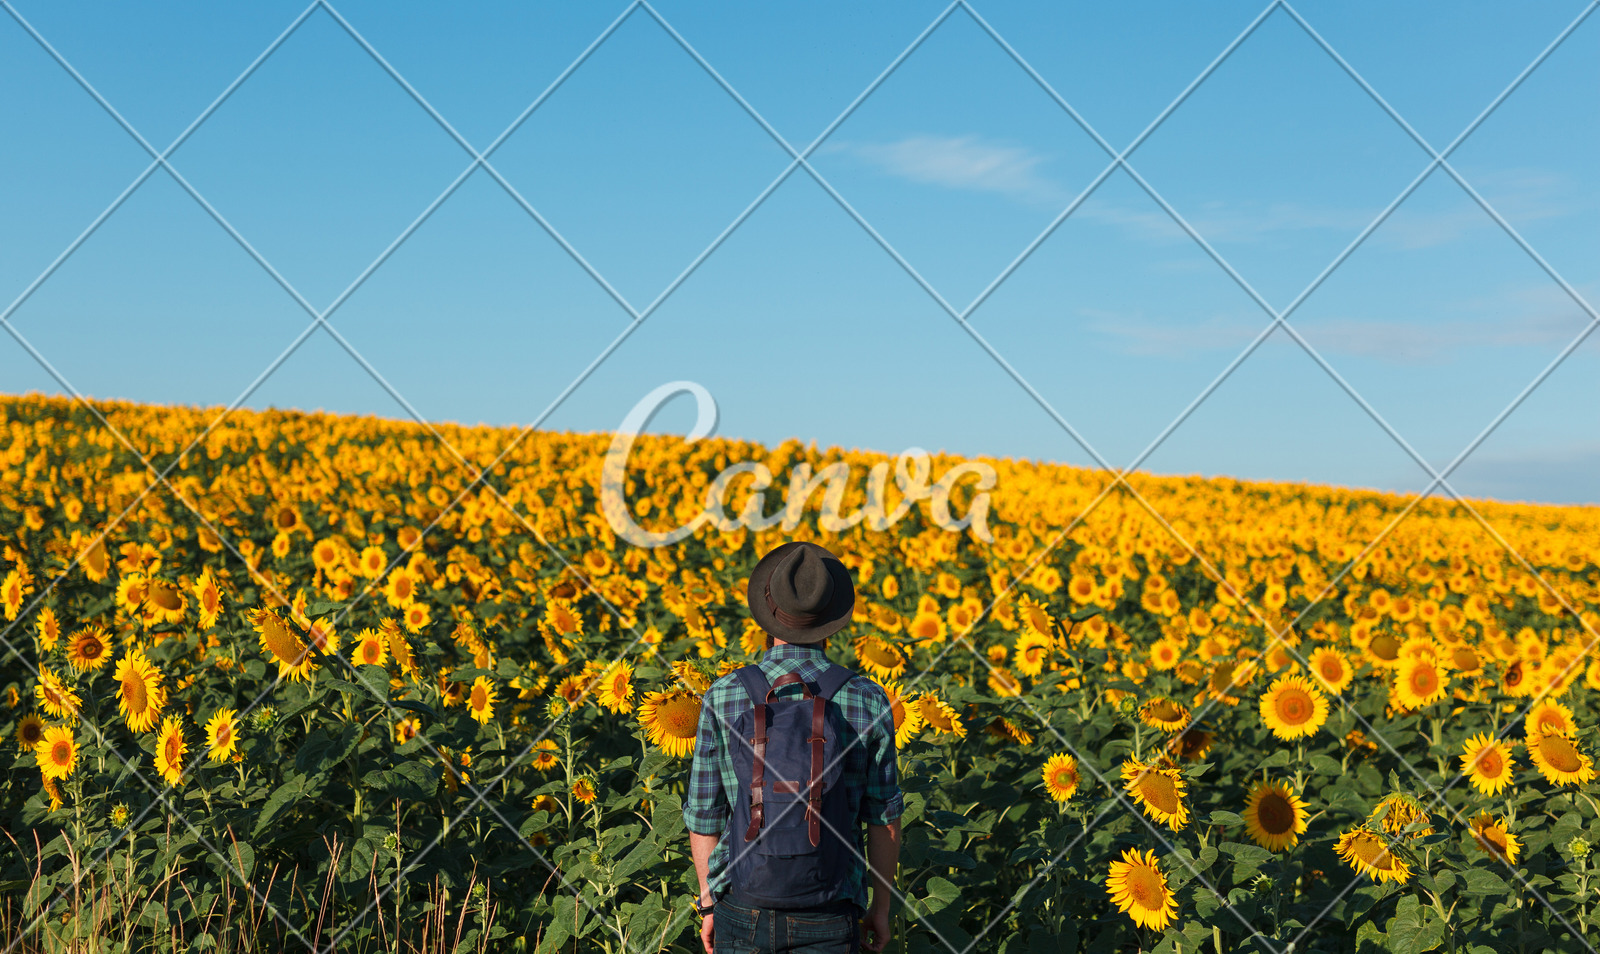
(706, 809)
(882, 802)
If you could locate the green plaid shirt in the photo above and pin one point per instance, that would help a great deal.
(870, 777)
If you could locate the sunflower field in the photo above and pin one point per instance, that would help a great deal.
(276, 679)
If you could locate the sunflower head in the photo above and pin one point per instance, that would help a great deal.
(1488, 763)
(1061, 777)
(1368, 852)
(1164, 714)
(1140, 890)
(1274, 816)
(1159, 789)
(56, 752)
(671, 720)
(1559, 760)
(1293, 708)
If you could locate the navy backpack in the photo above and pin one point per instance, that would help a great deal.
(792, 832)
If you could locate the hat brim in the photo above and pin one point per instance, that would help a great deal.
(836, 617)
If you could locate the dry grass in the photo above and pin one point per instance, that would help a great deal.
(107, 909)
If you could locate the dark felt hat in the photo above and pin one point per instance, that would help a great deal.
(801, 593)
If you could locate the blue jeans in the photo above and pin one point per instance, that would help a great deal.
(742, 930)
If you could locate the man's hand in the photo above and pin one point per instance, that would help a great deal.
(706, 933)
(876, 924)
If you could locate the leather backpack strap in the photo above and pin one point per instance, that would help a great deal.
(758, 775)
(831, 681)
(755, 684)
(790, 679)
(814, 780)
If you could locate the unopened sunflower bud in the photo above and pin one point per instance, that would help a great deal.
(1579, 848)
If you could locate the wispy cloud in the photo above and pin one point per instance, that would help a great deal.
(1522, 195)
(1526, 319)
(961, 162)
(1550, 475)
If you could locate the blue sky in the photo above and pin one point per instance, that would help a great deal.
(800, 322)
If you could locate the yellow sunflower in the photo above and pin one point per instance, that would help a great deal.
(907, 715)
(399, 647)
(1401, 814)
(327, 553)
(616, 689)
(671, 719)
(482, 699)
(164, 602)
(56, 752)
(1549, 716)
(1061, 778)
(371, 562)
(170, 748)
(417, 617)
(222, 735)
(1418, 682)
(1165, 653)
(1139, 889)
(1158, 790)
(753, 639)
(208, 600)
(1031, 651)
(401, 588)
(94, 560)
(12, 592)
(1227, 678)
(1191, 745)
(1559, 759)
(880, 658)
(1293, 708)
(55, 697)
(1488, 762)
(545, 755)
(1492, 838)
(583, 791)
(281, 644)
(926, 627)
(371, 648)
(565, 619)
(1002, 682)
(29, 731)
(48, 629)
(1002, 728)
(1274, 816)
(286, 518)
(690, 677)
(939, 716)
(139, 693)
(572, 690)
(1368, 853)
(1164, 714)
(89, 650)
(1331, 670)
